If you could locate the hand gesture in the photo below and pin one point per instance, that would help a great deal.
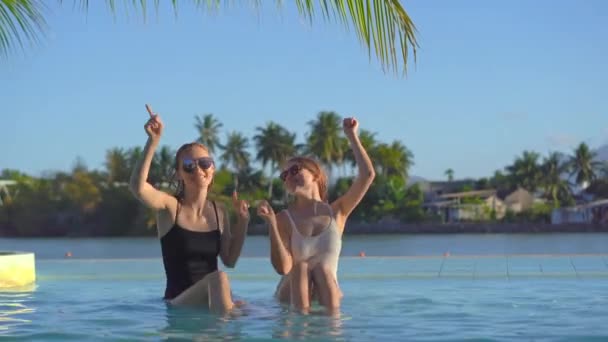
(240, 206)
(154, 127)
(350, 126)
(265, 211)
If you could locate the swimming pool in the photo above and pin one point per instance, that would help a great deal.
(562, 297)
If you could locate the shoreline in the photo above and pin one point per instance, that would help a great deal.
(387, 228)
(458, 228)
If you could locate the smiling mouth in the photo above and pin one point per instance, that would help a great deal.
(201, 176)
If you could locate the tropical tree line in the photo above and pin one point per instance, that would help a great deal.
(556, 177)
(85, 202)
(98, 202)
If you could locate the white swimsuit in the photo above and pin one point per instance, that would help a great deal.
(323, 248)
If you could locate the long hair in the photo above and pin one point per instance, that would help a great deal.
(178, 183)
(317, 171)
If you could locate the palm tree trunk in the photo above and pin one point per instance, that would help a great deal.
(270, 189)
(555, 200)
(236, 181)
(270, 180)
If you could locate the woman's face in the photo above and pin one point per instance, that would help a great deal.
(196, 168)
(297, 178)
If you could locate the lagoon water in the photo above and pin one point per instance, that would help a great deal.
(526, 287)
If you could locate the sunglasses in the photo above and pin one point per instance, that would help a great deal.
(293, 170)
(189, 165)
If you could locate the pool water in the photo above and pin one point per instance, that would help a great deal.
(522, 298)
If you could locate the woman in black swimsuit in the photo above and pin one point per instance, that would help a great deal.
(193, 231)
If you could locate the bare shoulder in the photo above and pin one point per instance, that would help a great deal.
(283, 222)
(165, 218)
(222, 209)
(282, 216)
(223, 215)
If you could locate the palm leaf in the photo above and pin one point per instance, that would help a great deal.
(381, 25)
(20, 20)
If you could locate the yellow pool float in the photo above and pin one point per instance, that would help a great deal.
(17, 269)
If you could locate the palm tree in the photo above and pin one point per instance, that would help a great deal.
(369, 143)
(163, 166)
(394, 159)
(556, 188)
(450, 174)
(82, 191)
(381, 25)
(525, 170)
(249, 179)
(134, 154)
(274, 144)
(325, 138)
(583, 165)
(235, 153)
(208, 128)
(117, 166)
(500, 181)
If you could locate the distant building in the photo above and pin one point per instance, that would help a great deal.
(592, 212)
(519, 200)
(4, 189)
(454, 206)
(433, 190)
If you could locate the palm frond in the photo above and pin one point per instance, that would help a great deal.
(381, 25)
(378, 24)
(20, 21)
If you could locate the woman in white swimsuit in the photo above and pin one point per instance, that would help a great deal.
(306, 238)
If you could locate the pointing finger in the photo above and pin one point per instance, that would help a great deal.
(149, 110)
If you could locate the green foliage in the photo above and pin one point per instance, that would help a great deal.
(539, 213)
(388, 197)
(86, 202)
(382, 26)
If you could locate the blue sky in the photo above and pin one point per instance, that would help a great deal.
(492, 79)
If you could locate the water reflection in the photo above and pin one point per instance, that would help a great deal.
(190, 324)
(258, 320)
(14, 308)
(314, 325)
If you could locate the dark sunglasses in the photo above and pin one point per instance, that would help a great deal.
(293, 170)
(189, 165)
